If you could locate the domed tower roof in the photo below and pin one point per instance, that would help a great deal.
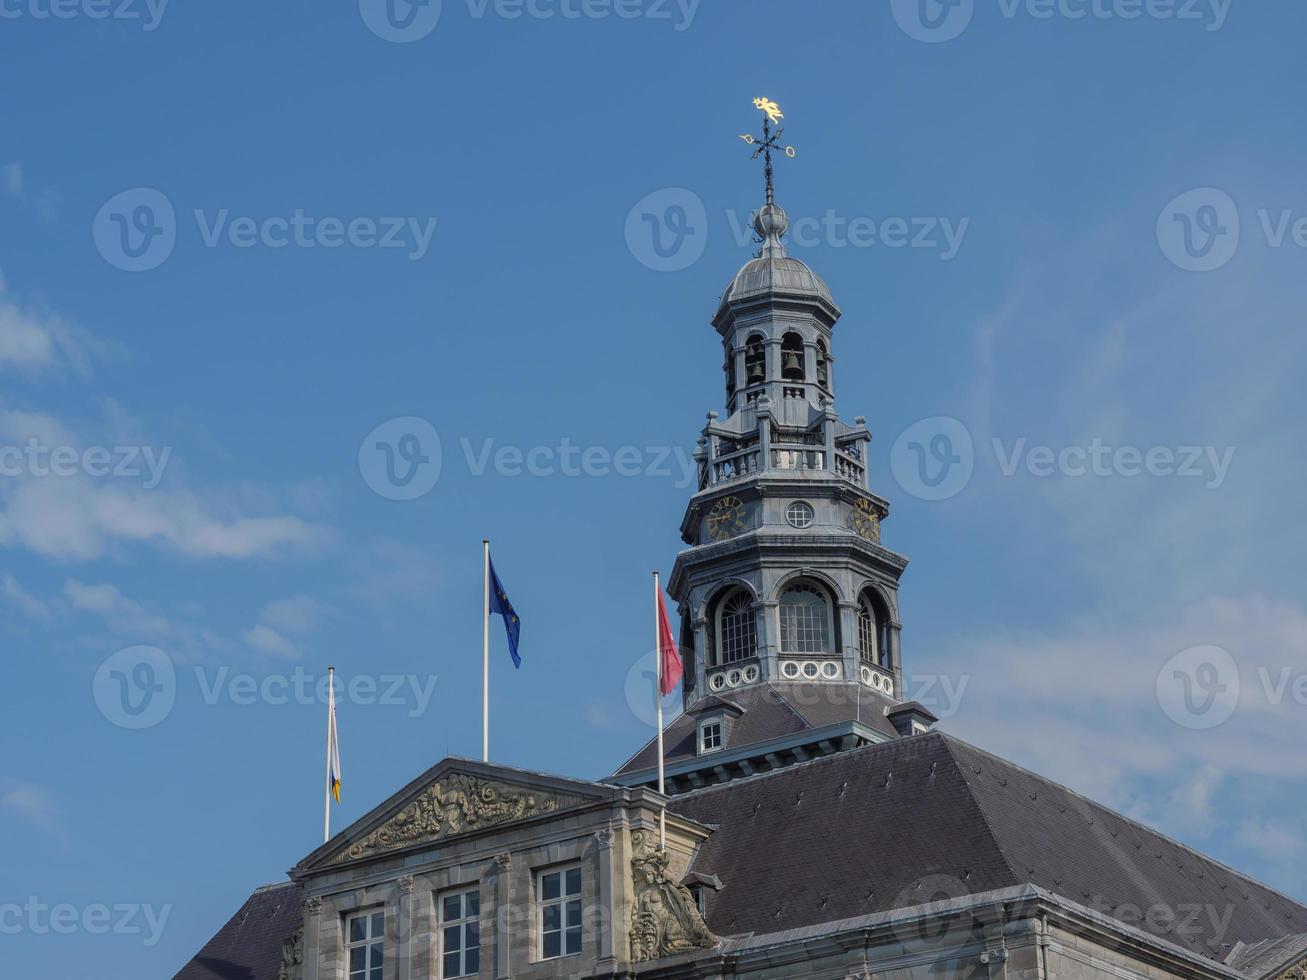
(774, 272)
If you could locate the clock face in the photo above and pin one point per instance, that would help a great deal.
(726, 519)
(865, 521)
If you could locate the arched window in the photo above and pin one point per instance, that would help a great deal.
(873, 631)
(823, 369)
(755, 360)
(737, 628)
(792, 368)
(805, 620)
(730, 370)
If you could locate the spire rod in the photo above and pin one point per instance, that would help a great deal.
(771, 113)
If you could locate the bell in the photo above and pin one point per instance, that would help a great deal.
(756, 372)
(792, 366)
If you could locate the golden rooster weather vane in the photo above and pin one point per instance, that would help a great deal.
(769, 141)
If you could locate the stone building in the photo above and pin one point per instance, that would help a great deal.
(816, 823)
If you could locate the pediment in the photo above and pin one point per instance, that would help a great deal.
(456, 798)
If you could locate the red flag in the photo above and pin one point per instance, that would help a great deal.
(672, 667)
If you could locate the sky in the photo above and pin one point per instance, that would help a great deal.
(299, 304)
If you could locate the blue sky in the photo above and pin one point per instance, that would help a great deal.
(1121, 271)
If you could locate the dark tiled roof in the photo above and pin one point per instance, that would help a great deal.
(918, 819)
(249, 946)
(769, 711)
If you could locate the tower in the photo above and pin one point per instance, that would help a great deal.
(789, 602)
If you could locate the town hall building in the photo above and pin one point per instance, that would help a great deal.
(817, 824)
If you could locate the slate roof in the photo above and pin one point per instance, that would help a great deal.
(768, 711)
(249, 946)
(923, 818)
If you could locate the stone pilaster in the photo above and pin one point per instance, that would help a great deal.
(503, 916)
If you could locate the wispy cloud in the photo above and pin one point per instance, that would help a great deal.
(33, 805)
(284, 624)
(14, 184)
(14, 591)
(32, 339)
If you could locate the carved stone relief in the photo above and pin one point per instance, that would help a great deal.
(455, 804)
(665, 920)
(292, 957)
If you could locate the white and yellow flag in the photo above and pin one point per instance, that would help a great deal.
(333, 749)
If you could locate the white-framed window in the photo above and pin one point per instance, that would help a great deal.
(711, 735)
(805, 620)
(460, 933)
(868, 648)
(737, 628)
(558, 896)
(800, 514)
(365, 940)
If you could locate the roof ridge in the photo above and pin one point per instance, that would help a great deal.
(782, 699)
(1018, 877)
(797, 766)
(1139, 824)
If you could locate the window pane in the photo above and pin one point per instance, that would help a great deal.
(451, 965)
(473, 961)
(453, 937)
(378, 925)
(549, 885)
(453, 908)
(573, 914)
(358, 929)
(574, 881)
(551, 918)
(473, 935)
(573, 941)
(551, 946)
(473, 904)
(358, 959)
(376, 973)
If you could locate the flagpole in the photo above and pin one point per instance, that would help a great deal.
(485, 650)
(326, 783)
(658, 697)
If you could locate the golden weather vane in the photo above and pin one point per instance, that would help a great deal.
(771, 113)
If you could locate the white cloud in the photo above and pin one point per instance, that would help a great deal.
(124, 615)
(13, 590)
(1274, 839)
(298, 614)
(35, 340)
(15, 186)
(266, 640)
(32, 804)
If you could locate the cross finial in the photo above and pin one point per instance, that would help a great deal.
(771, 113)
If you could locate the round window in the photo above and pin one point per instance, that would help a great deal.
(800, 514)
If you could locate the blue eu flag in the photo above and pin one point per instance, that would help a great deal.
(499, 604)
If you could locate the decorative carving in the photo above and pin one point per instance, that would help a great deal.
(504, 862)
(313, 906)
(665, 920)
(292, 955)
(1298, 972)
(604, 837)
(405, 883)
(456, 804)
